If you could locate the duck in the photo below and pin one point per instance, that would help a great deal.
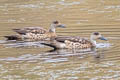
(75, 42)
(36, 33)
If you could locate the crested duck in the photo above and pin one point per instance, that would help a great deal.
(75, 42)
(36, 33)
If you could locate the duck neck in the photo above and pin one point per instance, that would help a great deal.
(93, 40)
(52, 28)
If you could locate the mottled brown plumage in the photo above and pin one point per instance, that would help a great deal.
(35, 33)
(34, 30)
(75, 42)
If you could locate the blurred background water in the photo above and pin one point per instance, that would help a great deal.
(31, 61)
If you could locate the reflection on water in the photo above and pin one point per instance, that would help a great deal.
(58, 65)
(52, 55)
(33, 61)
(23, 44)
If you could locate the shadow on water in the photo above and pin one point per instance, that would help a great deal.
(20, 44)
(53, 55)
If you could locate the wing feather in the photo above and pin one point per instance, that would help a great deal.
(73, 39)
(34, 30)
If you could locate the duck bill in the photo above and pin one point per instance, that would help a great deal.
(102, 38)
(61, 26)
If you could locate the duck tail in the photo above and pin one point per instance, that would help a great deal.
(11, 37)
(50, 45)
(20, 31)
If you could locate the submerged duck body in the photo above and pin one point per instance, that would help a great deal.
(75, 42)
(35, 33)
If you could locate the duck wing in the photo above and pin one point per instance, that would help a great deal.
(72, 39)
(75, 42)
(62, 38)
(69, 42)
(13, 37)
(34, 30)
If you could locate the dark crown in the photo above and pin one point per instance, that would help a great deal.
(96, 33)
(55, 22)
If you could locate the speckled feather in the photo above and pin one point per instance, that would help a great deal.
(34, 33)
(34, 30)
(75, 42)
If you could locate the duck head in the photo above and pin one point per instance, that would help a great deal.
(97, 35)
(56, 24)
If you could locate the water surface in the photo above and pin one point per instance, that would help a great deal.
(31, 61)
